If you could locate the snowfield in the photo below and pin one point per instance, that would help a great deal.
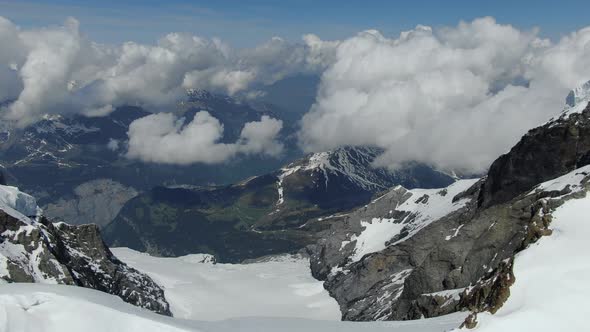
(552, 286)
(59, 308)
(281, 287)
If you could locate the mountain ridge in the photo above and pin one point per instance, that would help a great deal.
(268, 210)
(462, 260)
(36, 250)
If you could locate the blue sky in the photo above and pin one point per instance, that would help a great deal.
(246, 23)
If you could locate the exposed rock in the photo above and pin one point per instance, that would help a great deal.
(463, 259)
(44, 252)
(98, 202)
(424, 275)
(543, 153)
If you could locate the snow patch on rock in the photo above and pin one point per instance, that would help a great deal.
(571, 180)
(422, 207)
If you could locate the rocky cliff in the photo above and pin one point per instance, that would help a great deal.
(33, 249)
(424, 253)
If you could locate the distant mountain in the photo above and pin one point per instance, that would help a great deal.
(58, 158)
(262, 215)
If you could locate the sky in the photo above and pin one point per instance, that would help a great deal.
(248, 23)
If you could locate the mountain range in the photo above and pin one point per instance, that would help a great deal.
(383, 251)
(261, 215)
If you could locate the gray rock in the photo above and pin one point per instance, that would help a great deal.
(462, 260)
(543, 153)
(72, 255)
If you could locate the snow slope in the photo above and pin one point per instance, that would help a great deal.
(281, 287)
(36, 307)
(551, 290)
(576, 101)
(423, 206)
(58, 308)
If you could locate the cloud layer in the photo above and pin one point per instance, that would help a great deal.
(455, 98)
(58, 70)
(162, 138)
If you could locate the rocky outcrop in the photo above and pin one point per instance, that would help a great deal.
(423, 264)
(37, 250)
(546, 152)
(459, 262)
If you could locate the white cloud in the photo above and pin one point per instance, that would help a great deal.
(259, 137)
(455, 98)
(215, 79)
(58, 70)
(162, 138)
(113, 144)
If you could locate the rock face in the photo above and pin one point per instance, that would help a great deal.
(97, 202)
(436, 252)
(542, 154)
(37, 250)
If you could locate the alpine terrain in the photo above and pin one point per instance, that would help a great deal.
(424, 253)
(293, 166)
(261, 215)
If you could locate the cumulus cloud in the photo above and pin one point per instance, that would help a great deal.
(163, 138)
(58, 70)
(113, 144)
(455, 98)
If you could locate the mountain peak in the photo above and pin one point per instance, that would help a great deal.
(579, 95)
(577, 100)
(199, 94)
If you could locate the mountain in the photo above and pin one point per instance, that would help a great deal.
(411, 254)
(60, 157)
(262, 215)
(503, 249)
(36, 250)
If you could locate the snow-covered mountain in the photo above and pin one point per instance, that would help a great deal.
(355, 165)
(424, 253)
(503, 251)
